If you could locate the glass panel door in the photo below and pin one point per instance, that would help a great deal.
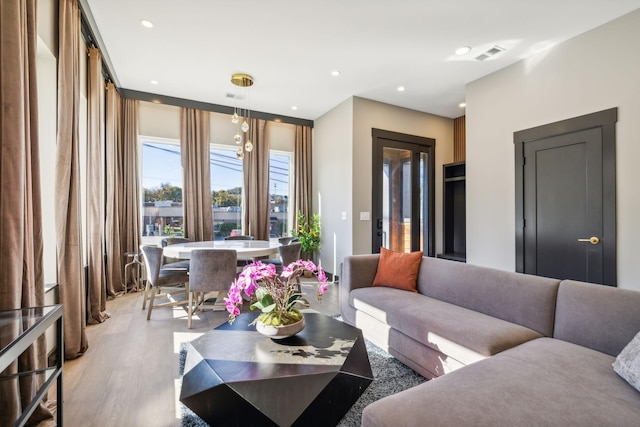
(396, 199)
(402, 198)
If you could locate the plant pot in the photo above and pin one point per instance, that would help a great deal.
(279, 332)
(308, 274)
(309, 256)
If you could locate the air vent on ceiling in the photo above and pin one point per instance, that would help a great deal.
(489, 53)
(235, 96)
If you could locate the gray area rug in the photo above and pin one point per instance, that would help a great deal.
(390, 376)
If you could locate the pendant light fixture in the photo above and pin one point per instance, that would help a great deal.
(241, 117)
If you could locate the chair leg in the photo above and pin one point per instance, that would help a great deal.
(145, 294)
(127, 267)
(153, 297)
(190, 309)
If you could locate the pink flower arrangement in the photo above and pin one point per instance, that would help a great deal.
(275, 295)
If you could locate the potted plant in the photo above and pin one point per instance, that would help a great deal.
(308, 233)
(275, 295)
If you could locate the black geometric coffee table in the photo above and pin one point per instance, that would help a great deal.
(234, 376)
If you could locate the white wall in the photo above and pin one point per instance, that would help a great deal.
(159, 120)
(370, 114)
(333, 172)
(47, 124)
(163, 121)
(47, 69)
(342, 173)
(595, 71)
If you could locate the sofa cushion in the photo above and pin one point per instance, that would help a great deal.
(518, 298)
(596, 316)
(627, 364)
(462, 334)
(398, 269)
(544, 382)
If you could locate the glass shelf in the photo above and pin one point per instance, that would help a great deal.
(19, 329)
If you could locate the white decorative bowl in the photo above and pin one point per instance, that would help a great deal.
(279, 332)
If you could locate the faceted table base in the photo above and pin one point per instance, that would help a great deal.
(234, 376)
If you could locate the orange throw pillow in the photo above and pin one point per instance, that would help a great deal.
(398, 269)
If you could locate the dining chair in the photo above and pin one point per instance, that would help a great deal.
(161, 276)
(211, 272)
(288, 252)
(287, 240)
(241, 262)
(174, 241)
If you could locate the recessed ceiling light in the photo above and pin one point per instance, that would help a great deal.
(147, 24)
(153, 82)
(463, 50)
(294, 107)
(335, 73)
(401, 88)
(462, 104)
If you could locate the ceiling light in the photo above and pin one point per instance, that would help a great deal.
(401, 88)
(463, 50)
(242, 81)
(146, 24)
(153, 82)
(489, 53)
(294, 108)
(462, 104)
(335, 73)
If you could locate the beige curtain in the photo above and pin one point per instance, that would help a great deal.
(122, 228)
(255, 206)
(97, 290)
(302, 200)
(196, 168)
(21, 268)
(114, 192)
(67, 205)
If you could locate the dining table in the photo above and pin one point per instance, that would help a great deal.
(246, 249)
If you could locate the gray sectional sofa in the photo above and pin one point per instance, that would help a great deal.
(517, 350)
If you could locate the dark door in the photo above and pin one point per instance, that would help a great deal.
(567, 230)
(403, 192)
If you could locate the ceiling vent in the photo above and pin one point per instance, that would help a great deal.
(488, 54)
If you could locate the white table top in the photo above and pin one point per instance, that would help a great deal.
(244, 248)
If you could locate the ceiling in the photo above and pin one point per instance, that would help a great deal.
(291, 47)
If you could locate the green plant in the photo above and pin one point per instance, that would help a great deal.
(307, 232)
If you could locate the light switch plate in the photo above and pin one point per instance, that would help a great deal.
(364, 216)
(344, 216)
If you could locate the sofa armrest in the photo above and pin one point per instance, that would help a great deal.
(358, 271)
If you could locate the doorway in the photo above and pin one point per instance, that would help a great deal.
(565, 199)
(403, 192)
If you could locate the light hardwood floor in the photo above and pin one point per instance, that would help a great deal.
(129, 375)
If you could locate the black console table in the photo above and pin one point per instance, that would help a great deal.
(21, 328)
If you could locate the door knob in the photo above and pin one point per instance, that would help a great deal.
(593, 240)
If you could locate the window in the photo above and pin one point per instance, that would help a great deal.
(162, 208)
(226, 191)
(280, 217)
(227, 187)
(162, 213)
